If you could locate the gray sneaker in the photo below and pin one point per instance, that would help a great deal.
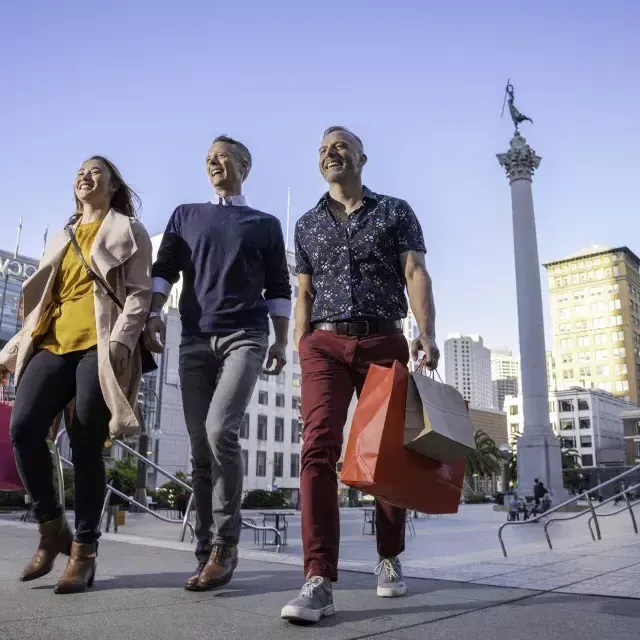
(314, 602)
(391, 584)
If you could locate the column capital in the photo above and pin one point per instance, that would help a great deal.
(521, 161)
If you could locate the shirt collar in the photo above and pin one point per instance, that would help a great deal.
(367, 194)
(236, 201)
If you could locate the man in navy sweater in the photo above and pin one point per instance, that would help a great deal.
(234, 268)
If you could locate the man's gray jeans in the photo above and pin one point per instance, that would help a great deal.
(218, 376)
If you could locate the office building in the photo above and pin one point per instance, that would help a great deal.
(595, 315)
(468, 368)
(505, 375)
(14, 270)
(587, 420)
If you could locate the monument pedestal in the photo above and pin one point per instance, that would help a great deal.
(538, 449)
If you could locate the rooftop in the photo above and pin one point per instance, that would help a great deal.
(593, 250)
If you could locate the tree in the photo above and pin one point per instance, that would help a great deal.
(485, 460)
(126, 469)
(570, 459)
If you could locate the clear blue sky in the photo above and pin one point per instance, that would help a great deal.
(149, 84)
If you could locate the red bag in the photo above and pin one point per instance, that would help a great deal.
(9, 478)
(376, 461)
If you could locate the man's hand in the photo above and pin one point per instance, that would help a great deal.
(155, 327)
(4, 375)
(428, 346)
(277, 358)
(120, 356)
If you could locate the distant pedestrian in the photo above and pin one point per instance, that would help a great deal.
(358, 254)
(77, 345)
(114, 501)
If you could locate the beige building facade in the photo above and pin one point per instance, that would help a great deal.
(595, 314)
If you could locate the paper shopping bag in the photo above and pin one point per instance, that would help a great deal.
(437, 423)
(376, 460)
(9, 477)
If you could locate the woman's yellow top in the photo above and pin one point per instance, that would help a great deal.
(69, 321)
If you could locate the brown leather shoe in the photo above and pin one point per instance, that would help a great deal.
(219, 570)
(55, 537)
(80, 570)
(192, 583)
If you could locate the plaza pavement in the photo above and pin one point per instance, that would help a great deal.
(535, 593)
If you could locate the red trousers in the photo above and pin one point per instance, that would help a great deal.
(332, 367)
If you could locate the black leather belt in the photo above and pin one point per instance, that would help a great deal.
(360, 328)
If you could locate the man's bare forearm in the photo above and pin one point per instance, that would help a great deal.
(281, 329)
(420, 291)
(158, 301)
(302, 324)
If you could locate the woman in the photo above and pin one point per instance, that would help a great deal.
(78, 345)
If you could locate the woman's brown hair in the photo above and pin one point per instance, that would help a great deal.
(124, 199)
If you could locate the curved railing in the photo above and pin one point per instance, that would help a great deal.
(186, 524)
(628, 507)
(590, 508)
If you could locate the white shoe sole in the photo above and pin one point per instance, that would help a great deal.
(306, 615)
(392, 592)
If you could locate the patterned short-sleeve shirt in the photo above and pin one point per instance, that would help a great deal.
(355, 265)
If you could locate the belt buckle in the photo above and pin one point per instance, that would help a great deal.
(357, 333)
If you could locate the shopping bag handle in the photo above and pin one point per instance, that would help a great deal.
(425, 371)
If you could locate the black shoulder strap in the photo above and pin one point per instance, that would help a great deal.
(90, 272)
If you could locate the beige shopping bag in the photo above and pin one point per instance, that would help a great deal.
(437, 423)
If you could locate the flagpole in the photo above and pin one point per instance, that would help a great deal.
(288, 217)
(15, 253)
(44, 246)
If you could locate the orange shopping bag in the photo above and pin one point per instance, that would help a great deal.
(376, 461)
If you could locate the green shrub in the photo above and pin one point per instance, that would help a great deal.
(261, 499)
(476, 498)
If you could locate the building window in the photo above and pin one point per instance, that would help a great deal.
(565, 406)
(583, 405)
(281, 378)
(568, 443)
(295, 465)
(279, 432)
(602, 370)
(279, 399)
(262, 427)
(602, 354)
(584, 423)
(245, 462)
(567, 374)
(619, 352)
(278, 464)
(261, 464)
(585, 372)
(513, 410)
(622, 385)
(296, 357)
(587, 460)
(295, 403)
(584, 341)
(295, 379)
(567, 358)
(263, 397)
(567, 424)
(295, 431)
(244, 427)
(264, 377)
(637, 426)
(586, 442)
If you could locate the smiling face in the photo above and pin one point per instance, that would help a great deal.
(93, 184)
(225, 168)
(341, 157)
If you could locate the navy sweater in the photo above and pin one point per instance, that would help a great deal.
(232, 260)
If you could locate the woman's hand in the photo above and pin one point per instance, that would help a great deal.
(120, 356)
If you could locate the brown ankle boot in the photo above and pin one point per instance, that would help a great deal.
(55, 538)
(219, 570)
(80, 570)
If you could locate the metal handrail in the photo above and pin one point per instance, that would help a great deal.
(185, 522)
(628, 507)
(591, 507)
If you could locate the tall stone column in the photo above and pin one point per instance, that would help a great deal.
(538, 448)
